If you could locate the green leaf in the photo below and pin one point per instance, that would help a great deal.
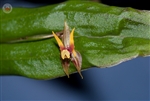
(104, 35)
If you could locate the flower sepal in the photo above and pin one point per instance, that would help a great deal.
(67, 51)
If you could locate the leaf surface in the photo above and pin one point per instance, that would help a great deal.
(104, 35)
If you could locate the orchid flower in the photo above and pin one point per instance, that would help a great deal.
(67, 50)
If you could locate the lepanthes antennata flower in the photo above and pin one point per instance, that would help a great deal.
(67, 50)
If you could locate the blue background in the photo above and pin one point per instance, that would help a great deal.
(127, 81)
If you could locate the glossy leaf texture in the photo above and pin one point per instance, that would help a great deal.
(104, 35)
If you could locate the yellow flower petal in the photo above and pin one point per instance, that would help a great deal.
(58, 41)
(74, 53)
(71, 37)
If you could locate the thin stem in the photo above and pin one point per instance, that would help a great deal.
(34, 38)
